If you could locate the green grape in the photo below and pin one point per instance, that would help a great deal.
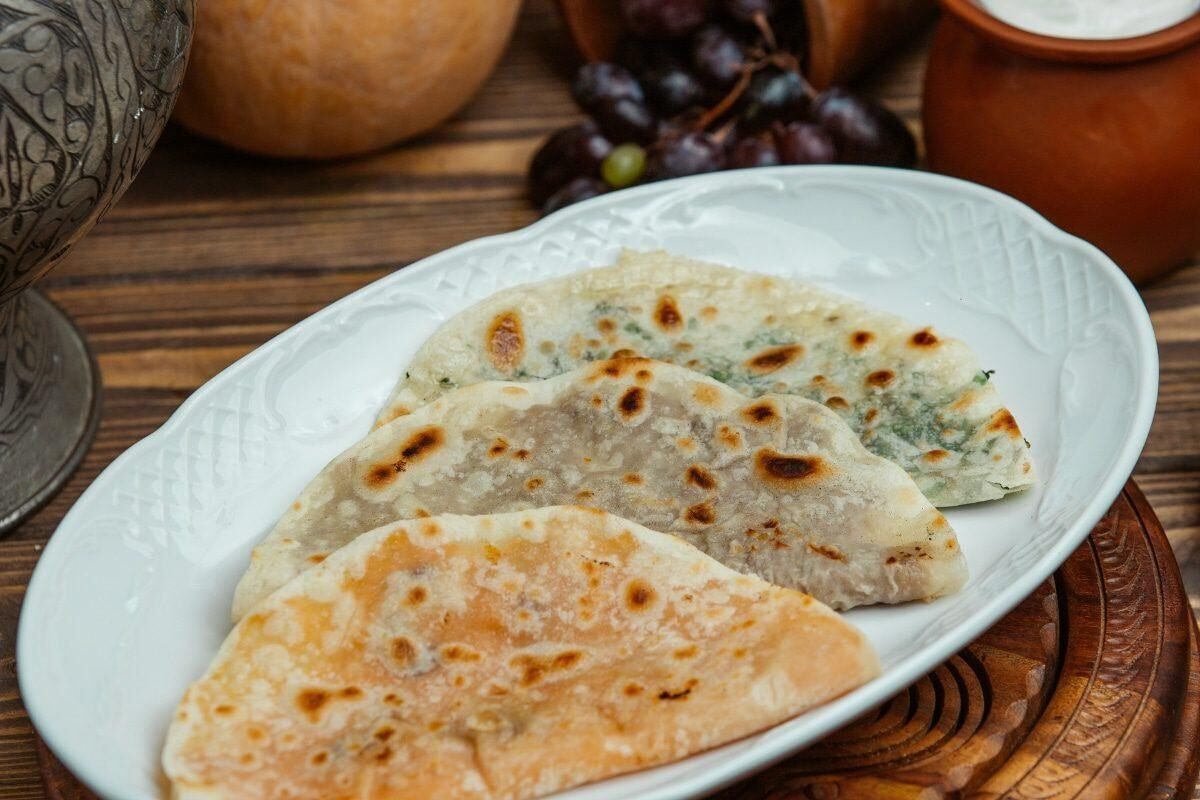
(624, 166)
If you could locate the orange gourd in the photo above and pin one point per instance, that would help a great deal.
(328, 78)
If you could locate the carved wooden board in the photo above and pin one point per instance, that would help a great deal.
(1090, 688)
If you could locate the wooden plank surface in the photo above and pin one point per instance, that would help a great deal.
(212, 253)
(1089, 688)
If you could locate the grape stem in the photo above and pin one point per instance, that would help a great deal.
(773, 57)
(764, 27)
(785, 61)
(789, 62)
(726, 103)
(722, 133)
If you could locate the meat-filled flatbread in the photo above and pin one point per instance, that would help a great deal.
(776, 486)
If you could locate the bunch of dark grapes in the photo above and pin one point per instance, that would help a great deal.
(704, 85)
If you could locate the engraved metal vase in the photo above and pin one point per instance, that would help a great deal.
(86, 87)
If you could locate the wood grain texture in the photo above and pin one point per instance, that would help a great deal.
(212, 253)
(1085, 690)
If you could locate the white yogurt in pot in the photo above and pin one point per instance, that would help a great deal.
(1091, 19)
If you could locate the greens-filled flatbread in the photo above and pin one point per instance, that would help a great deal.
(913, 395)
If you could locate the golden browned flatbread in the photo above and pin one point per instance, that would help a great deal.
(506, 656)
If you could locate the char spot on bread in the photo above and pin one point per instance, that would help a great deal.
(506, 341)
(459, 653)
(881, 378)
(416, 448)
(311, 701)
(679, 694)
(760, 413)
(788, 471)
(567, 659)
(923, 338)
(666, 314)
(533, 668)
(632, 402)
(701, 513)
(698, 476)
(403, 651)
(639, 595)
(631, 364)
(1003, 421)
(860, 339)
(706, 395)
(730, 437)
(774, 358)
(422, 443)
(826, 551)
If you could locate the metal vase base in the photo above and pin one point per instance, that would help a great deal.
(49, 403)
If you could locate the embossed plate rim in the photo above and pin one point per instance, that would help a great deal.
(728, 764)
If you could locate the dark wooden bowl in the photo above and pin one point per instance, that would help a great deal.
(844, 36)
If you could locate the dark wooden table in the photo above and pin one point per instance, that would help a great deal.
(211, 253)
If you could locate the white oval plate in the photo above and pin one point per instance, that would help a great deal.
(131, 597)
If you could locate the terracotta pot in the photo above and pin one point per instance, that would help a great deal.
(844, 36)
(1100, 136)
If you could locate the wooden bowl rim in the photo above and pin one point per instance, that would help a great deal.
(1056, 48)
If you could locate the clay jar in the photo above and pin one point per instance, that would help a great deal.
(1100, 136)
